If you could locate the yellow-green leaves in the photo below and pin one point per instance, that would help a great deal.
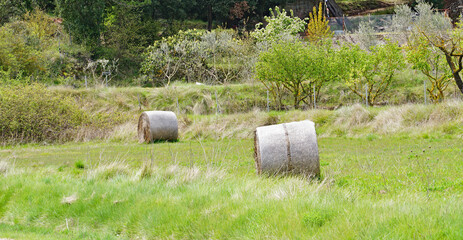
(369, 73)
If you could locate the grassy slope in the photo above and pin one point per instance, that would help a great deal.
(394, 188)
(243, 108)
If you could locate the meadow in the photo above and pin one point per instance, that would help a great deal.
(396, 186)
(387, 172)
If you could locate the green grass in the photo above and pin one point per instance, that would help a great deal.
(371, 187)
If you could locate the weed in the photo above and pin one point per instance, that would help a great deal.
(79, 164)
(317, 217)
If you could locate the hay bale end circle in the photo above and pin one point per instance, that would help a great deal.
(157, 125)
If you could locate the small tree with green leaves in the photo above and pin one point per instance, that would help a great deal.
(369, 74)
(428, 35)
(429, 61)
(285, 64)
(296, 67)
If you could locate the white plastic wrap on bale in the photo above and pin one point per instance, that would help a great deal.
(287, 148)
(157, 125)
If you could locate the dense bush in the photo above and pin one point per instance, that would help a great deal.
(34, 113)
(36, 46)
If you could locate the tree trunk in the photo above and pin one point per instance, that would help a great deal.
(458, 81)
(455, 71)
(209, 17)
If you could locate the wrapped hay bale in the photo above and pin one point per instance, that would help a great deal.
(157, 125)
(287, 148)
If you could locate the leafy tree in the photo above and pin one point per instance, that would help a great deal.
(298, 68)
(27, 47)
(449, 44)
(127, 35)
(428, 60)
(83, 19)
(165, 57)
(368, 74)
(212, 57)
(429, 34)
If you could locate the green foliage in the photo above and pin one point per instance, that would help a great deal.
(34, 113)
(83, 19)
(10, 9)
(279, 26)
(19, 53)
(434, 30)
(298, 67)
(35, 47)
(428, 60)
(196, 55)
(369, 72)
(79, 164)
(126, 36)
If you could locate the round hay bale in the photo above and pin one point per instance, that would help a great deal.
(287, 148)
(157, 125)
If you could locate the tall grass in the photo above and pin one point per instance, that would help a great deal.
(391, 188)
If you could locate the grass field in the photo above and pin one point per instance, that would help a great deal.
(370, 188)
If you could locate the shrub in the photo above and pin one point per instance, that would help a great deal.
(279, 26)
(318, 28)
(32, 113)
(196, 55)
(37, 46)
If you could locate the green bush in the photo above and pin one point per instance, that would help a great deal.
(32, 113)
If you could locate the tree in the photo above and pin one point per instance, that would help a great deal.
(83, 19)
(428, 60)
(436, 30)
(165, 58)
(285, 64)
(297, 67)
(215, 9)
(368, 74)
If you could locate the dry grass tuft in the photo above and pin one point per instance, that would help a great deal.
(238, 126)
(352, 116)
(448, 111)
(126, 131)
(146, 171)
(390, 120)
(108, 170)
(69, 200)
(3, 167)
